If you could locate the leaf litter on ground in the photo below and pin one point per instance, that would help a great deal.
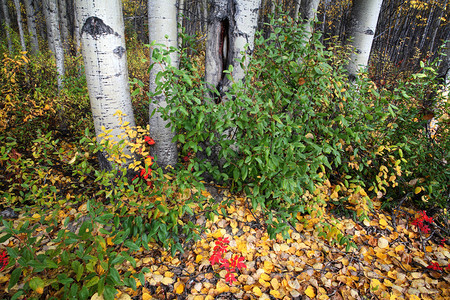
(391, 260)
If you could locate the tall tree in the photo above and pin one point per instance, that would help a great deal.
(64, 23)
(231, 30)
(363, 22)
(19, 24)
(105, 61)
(308, 11)
(162, 22)
(31, 21)
(8, 25)
(54, 38)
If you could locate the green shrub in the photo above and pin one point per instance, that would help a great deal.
(292, 123)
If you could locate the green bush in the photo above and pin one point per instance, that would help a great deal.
(293, 122)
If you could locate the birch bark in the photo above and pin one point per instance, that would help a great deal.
(105, 60)
(308, 11)
(31, 21)
(54, 39)
(364, 18)
(162, 22)
(8, 26)
(231, 31)
(64, 24)
(19, 24)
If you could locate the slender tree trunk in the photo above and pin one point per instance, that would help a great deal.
(180, 18)
(19, 24)
(31, 21)
(447, 73)
(364, 19)
(54, 38)
(77, 32)
(308, 11)
(105, 61)
(8, 26)
(64, 24)
(216, 45)
(231, 28)
(162, 22)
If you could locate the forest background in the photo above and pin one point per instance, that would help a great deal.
(299, 151)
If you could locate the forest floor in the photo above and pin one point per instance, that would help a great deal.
(393, 259)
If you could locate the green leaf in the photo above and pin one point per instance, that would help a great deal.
(94, 280)
(109, 292)
(5, 237)
(15, 275)
(36, 283)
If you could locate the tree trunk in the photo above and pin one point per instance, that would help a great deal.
(180, 18)
(31, 21)
(105, 62)
(364, 17)
(308, 11)
(64, 24)
(54, 38)
(19, 24)
(216, 45)
(162, 22)
(8, 26)
(231, 27)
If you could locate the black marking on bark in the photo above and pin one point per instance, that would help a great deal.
(96, 28)
(119, 51)
(224, 46)
(369, 31)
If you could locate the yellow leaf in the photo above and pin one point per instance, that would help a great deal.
(383, 222)
(309, 136)
(179, 287)
(275, 294)
(167, 280)
(400, 248)
(265, 277)
(417, 190)
(375, 284)
(222, 287)
(198, 258)
(310, 292)
(257, 291)
(146, 296)
(275, 284)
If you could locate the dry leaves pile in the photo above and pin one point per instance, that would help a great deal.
(391, 262)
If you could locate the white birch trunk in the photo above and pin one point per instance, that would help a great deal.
(8, 26)
(54, 39)
(162, 22)
(231, 28)
(77, 33)
(447, 75)
(308, 11)
(364, 18)
(243, 24)
(180, 21)
(31, 21)
(64, 24)
(19, 24)
(105, 61)
(216, 43)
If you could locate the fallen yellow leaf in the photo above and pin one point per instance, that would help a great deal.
(146, 296)
(257, 291)
(310, 292)
(178, 288)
